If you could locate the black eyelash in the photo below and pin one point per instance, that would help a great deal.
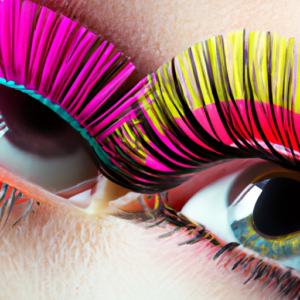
(257, 269)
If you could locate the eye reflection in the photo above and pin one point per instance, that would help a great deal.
(43, 148)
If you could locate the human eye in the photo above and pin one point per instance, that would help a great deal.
(231, 97)
(54, 75)
(255, 207)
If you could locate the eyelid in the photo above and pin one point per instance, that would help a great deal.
(179, 195)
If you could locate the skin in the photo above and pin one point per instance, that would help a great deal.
(62, 253)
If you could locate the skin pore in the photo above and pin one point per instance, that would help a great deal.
(59, 253)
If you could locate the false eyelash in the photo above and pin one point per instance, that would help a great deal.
(14, 206)
(257, 270)
(63, 65)
(227, 97)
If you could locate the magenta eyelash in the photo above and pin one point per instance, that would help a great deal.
(61, 64)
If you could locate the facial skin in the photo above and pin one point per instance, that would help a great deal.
(59, 253)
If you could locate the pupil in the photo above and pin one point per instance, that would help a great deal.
(276, 212)
(35, 128)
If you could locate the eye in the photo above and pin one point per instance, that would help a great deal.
(256, 207)
(54, 79)
(229, 97)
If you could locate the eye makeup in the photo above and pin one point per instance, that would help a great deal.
(258, 266)
(54, 77)
(123, 159)
(226, 98)
(259, 217)
(218, 100)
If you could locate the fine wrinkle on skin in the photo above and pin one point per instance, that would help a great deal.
(152, 32)
(59, 254)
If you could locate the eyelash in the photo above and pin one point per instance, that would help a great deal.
(245, 126)
(257, 270)
(160, 140)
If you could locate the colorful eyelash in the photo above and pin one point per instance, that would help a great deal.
(225, 98)
(61, 64)
(228, 97)
(66, 68)
(14, 206)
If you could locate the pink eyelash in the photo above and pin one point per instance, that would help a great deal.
(61, 61)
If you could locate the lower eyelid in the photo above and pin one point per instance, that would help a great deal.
(236, 258)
